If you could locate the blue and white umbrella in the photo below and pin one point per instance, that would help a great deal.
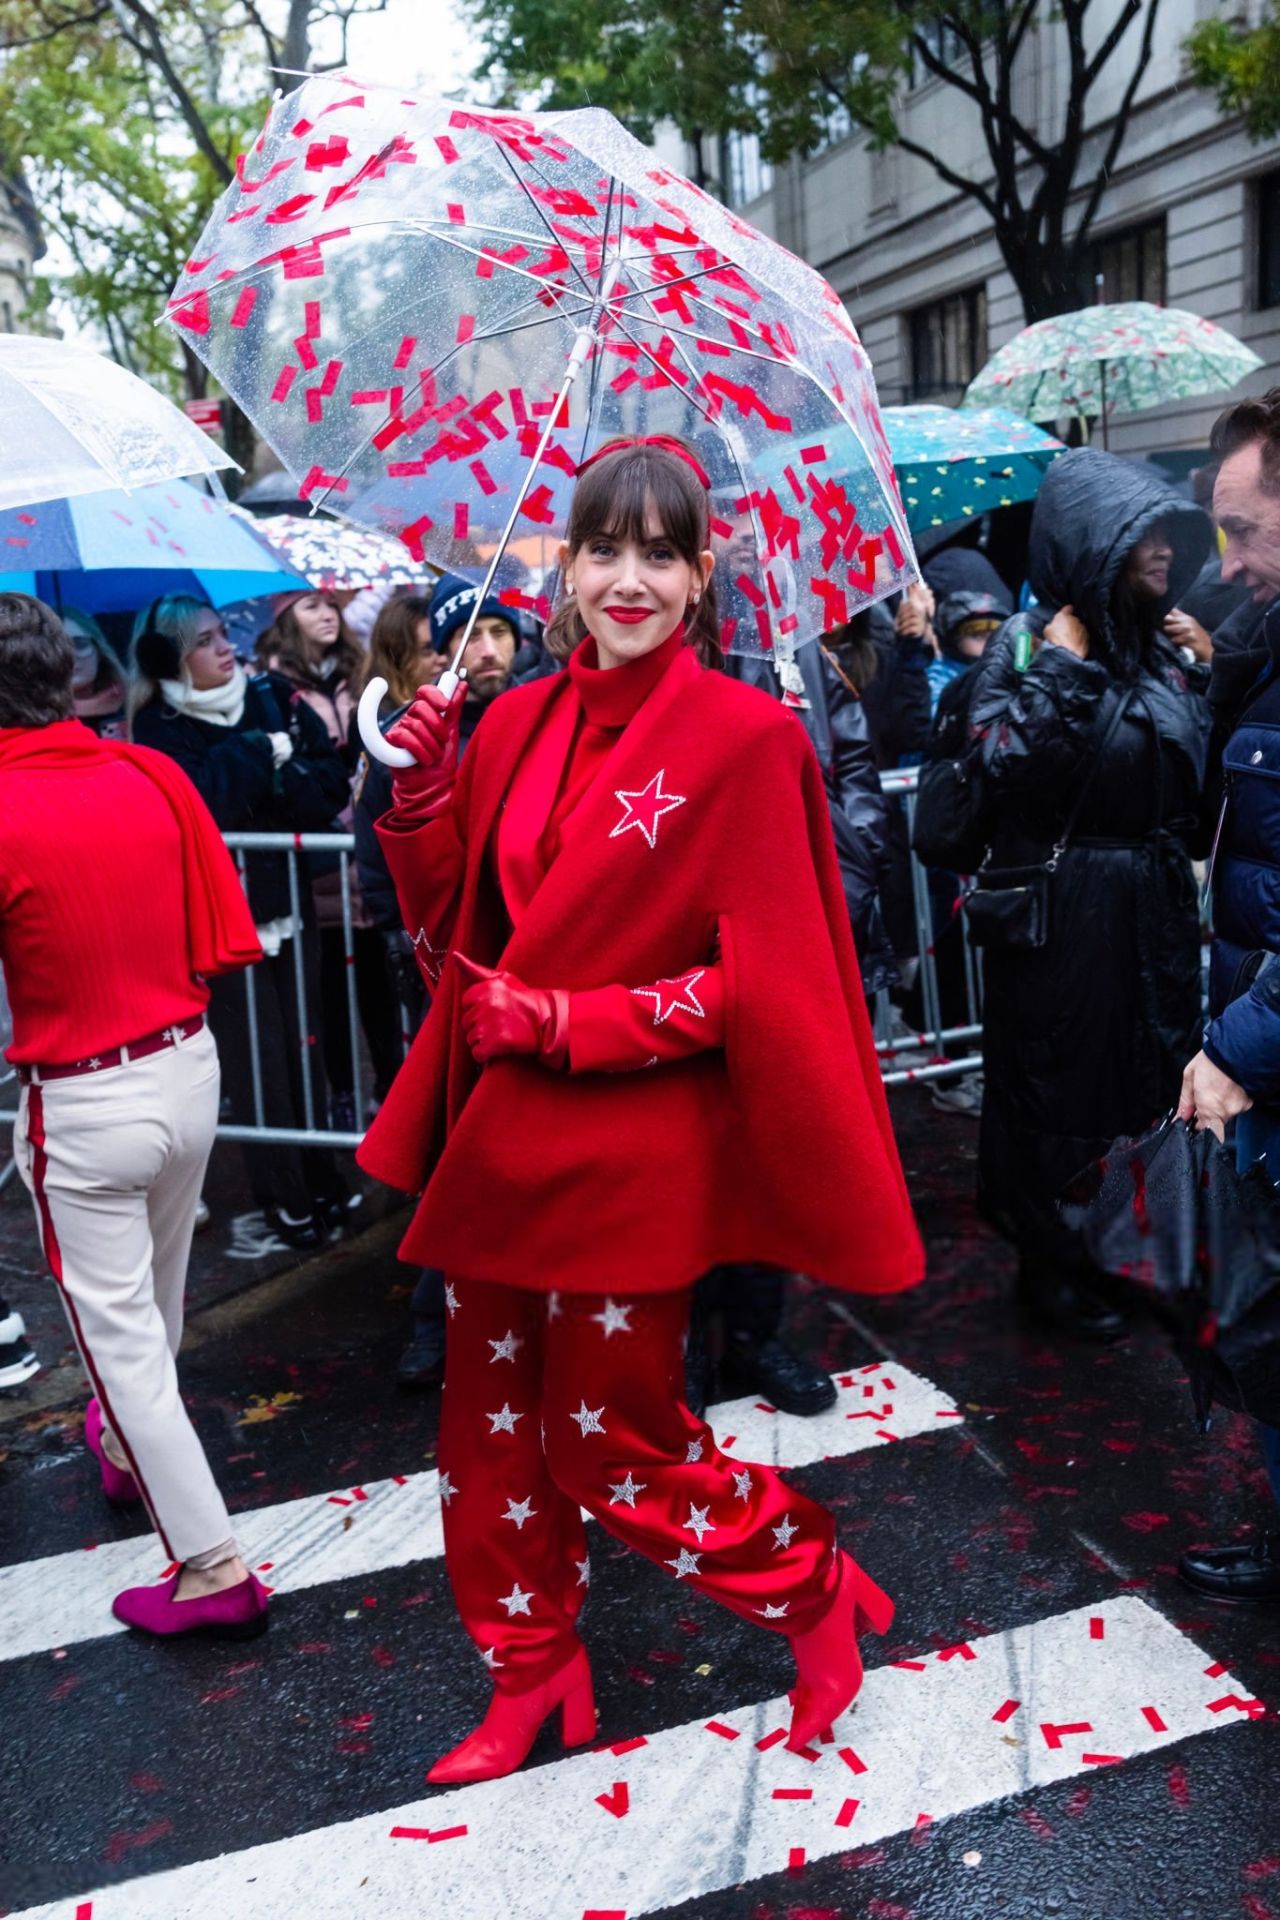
(111, 552)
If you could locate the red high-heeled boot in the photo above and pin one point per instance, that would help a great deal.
(828, 1663)
(502, 1741)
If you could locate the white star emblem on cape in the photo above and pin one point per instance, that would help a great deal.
(786, 1533)
(644, 808)
(516, 1602)
(505, 1349)
(504, 1422)
(584, 1571)
(673, 996)
(743, 1483)
(685, 1563)
(626, 1492)
(490, 1658)
(773, 1613)
(698, 1522)
(520, 1511)
(588, 1422)
(447, 1488)
(694, 1452)
(614, 1319)
(450, 1299)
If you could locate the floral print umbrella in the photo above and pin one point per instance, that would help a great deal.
(1119, 358)
(433, 313)
(952, 465)
(330, 554)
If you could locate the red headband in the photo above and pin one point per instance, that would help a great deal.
(665, 441)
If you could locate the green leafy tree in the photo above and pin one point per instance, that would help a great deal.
(1241, 65)
(128, 116)
(783, 70)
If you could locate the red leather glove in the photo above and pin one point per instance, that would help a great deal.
(429, 731)
(501, 1015)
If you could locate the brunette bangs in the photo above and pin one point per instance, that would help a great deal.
(612, 501)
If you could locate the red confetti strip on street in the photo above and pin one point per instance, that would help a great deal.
(1153, 1720)
(1254, 1708)
(793, 1793)
(845, 1816)
(618, 1803)
(795, 1860)
(718, 1726)
(628, 1746)
(908, 1666)
(1006, 1712)
(771, 1739)
(1216, 1671)
(1097, 1627)
(1102, 1759)
(1053, 1734)
(964, 1650)
(852, 1761)
(923, 1820)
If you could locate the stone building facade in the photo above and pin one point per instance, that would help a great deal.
(21, 245)
(1190, 218)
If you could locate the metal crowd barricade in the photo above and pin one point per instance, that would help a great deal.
(937, 1053)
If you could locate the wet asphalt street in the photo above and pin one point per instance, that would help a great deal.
(1054, 1725)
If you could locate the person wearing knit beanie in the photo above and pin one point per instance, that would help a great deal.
(494, 637)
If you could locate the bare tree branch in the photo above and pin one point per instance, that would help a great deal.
(1121, 123)
(11, 42)
(147, 40)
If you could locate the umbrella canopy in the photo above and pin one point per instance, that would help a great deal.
(72, 422)
(329, 553)
(1118, 358)
(952, 465)
(402, 294)
(111, 552)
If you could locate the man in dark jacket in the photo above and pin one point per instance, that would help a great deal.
(1237, 1073)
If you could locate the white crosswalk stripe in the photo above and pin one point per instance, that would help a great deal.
(58, 1601)
(641, 1826)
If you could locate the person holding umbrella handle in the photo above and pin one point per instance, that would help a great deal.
(627, 905)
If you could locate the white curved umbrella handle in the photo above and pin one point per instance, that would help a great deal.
(371, 733)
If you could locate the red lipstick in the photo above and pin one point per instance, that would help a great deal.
(629, 616)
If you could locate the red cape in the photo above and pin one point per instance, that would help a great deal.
(777, 1149)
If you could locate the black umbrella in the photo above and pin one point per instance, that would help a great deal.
(1168, 1213)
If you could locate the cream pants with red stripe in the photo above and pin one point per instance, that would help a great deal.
(114, 1161)
(553, 1403)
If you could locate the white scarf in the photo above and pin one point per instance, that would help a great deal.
(222, 706)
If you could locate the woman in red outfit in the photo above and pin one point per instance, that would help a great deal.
(628, 908)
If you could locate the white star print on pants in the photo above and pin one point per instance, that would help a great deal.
(585, 1418)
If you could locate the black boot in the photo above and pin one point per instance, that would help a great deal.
(777, 1373)
(1249, 1572)
(1065, 1300)
(421, 1364)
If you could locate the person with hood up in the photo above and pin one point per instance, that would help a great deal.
(971, 604)
(1102, 742)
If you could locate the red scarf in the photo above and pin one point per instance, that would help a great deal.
(221, 935)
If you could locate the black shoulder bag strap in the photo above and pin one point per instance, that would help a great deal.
(1060, 845)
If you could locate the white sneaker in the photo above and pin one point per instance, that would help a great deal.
(961, 1096)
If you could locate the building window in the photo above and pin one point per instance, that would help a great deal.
(6, 317)
(946, 46)
(1130, 265)
(744, 175)
(948, 344)
(1267, 213)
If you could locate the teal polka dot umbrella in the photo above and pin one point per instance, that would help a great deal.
(1111, 359)
(953, 466)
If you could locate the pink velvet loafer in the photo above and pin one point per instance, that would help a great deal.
(119, 1486)
(237, 1613)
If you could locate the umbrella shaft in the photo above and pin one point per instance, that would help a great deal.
(582, 346)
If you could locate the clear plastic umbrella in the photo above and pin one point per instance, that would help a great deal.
(72, 422)
(434, 313)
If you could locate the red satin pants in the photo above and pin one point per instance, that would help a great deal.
(553, 1403)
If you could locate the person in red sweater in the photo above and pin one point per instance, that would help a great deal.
(117, 899)
(627, 904)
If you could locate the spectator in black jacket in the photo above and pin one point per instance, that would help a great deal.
(262, 762)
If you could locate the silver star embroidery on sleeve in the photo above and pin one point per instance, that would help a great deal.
(784, 1534)
(694, 1452)
(430, 959)
(588, 1422)
(520, 1511)
(450, 1299)
(626, 1492)
(614, 1319)
(505, 1349)
(447, 1488)
(645, 807)
(584, 1571)
(491, 1660)
(698, 1522)
(773, 1613)
(685, 1563)
(516, 1602)
(504, 1422)
(673, 996)
(743, 1484)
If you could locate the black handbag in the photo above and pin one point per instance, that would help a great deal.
(1009, 907)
